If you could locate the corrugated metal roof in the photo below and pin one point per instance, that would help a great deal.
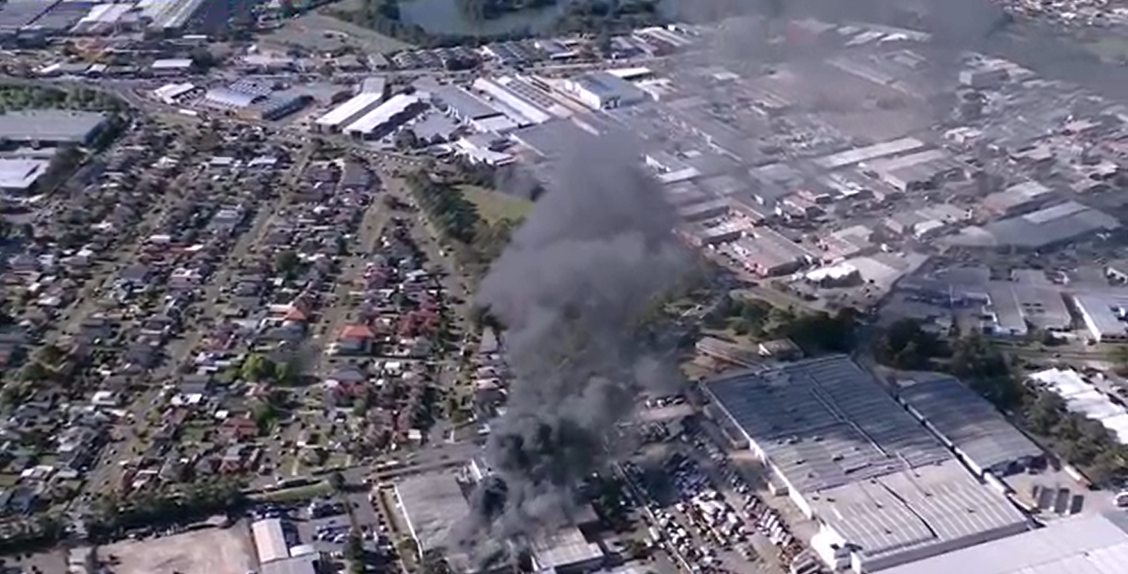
(358, 104)
(270, 542)
(970, 423)
(432, 505)
(1096, 544)
(398, 104)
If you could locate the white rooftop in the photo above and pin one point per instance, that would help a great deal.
(1094, 544)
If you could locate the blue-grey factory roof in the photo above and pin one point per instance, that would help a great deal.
(61, 126)
(607, 85)
(230, 98)
(551, 138)
(1050, 226)
(970, 423)
(464, 104)
(825, 422)
(1089, 544)
(19, 13)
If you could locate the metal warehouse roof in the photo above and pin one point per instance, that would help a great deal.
(230, 98)
(49, 125)
(1094, 544)
(358, 104)
(432, 504)
(970, 423)
(19, 13)
(464, 104)
(398, 104)
(270, 542)
(906, 516)
(825, 422)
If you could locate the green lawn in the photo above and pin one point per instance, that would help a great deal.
(494, 206)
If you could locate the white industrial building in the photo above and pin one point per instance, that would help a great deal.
(1086, 544)
(348, 112)
(1083, 397)
(18, 175)
(604, 91)
(1105, 315)
(883, 490)
(383, 119)
(270, 541)
(520, 109)
(434, 504)
(855, 156)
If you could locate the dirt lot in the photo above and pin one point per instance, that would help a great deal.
(210, 551)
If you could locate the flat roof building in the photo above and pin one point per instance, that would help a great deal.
(519, 108)
(883, 490)
(432, 505)
(305, 563)
(566, 550)
(384, 118)
(1019, 198)
(969, 425)
(603, 91)
(876, 151)
(1043, 228)
(270, 541)
(1087, 544)
(51, 126)
(1105, 315)
(19, 175)
(349, 111)
(462, 104)
(1083, 397)
(921, 170)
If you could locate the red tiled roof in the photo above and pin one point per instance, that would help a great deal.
(357, 332)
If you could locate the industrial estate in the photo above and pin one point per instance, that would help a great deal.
(244, 245)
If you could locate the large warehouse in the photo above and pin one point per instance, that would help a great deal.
(348, 112)
(432, 504)
(882, 488)
(51, 126)
(386, 117)
(604, 91)
(970, 426)
(1091, 544)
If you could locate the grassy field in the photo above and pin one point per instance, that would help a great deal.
(494, 206)
(321, 32)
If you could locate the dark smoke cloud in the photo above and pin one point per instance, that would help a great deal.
(591, 258)
(956, 26)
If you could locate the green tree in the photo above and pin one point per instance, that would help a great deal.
(288, 373)
(286, 263)
(265, 414)
(406, 139)
(256, 368)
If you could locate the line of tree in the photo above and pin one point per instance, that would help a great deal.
(115, 516)
(475, 241)
(814, 332)
(27, 536)
(22, 97)
(494, 9)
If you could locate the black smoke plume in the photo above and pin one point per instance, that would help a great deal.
(593, 256)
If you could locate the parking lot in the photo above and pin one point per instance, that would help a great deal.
(703, 511)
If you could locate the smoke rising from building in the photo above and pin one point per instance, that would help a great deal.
(591, 258)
